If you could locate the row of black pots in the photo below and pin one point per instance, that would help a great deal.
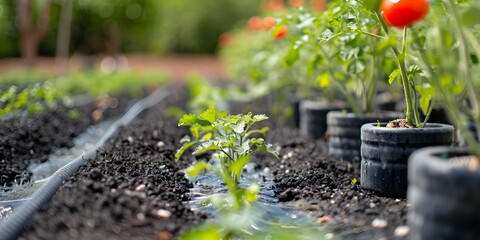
(443, 193)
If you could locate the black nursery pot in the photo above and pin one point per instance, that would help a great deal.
(444, 195)
(385, 153)
(344, 132)
(295, 104)
(313, 118)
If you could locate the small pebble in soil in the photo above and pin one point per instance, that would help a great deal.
(140, 188)
(372, 205)
(163, 213)
(141, 217)
(379, 223)
(90, 223)
(401, 231)
(130, 139)
(164, 235)
(329, 236)
(324, 219)
(160, 144)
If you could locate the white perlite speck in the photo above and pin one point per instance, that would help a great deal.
(401, 231)
(163, 213)
(140, 188)
(379, 223)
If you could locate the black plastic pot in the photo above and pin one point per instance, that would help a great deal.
(385, 153)
(444, 195)
(313, 118)
(295, 103)
(344, 132)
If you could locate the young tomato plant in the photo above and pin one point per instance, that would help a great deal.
(232, 142)
(407, 71)
(447, 51)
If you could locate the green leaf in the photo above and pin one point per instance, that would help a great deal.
(187, 120)
(195, 130)
(22, 100)
(425, 103)
(251, 193)
(209, 115)
(386, 44)
(268, 148)
(469, 15)
(9, 95)
(185, 139)
(259, 118)
(324, 80)
(196, 168)
(372, 5)
(205, 232)
(239, 127)
(182, 149)
(206, 146)
(236, 167)
(293, 55)
(414, 69)
(222, 114)
(207, 136)
(393, 76)
(326, 35)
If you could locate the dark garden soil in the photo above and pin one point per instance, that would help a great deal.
(133, 189)
(307, 178)
(31, 139)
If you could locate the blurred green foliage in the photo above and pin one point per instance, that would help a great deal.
(180, 26)
(37, 91)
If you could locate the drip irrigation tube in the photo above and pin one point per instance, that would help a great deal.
(11, 227)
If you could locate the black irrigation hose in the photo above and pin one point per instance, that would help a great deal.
(11, 227)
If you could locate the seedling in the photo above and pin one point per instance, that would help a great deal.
(232, 143)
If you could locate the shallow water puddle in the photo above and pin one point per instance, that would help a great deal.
(268, 213)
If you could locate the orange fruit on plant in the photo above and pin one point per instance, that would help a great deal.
(296, 3)
(255, 23)
(225, 39)
(281, 32)
(319, 5)
(403, 13)
(269, 22)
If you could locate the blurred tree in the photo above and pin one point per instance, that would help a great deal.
(113, 26)
(8, 32)
(31, 34)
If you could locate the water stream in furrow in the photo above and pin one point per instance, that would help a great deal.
(270, 214)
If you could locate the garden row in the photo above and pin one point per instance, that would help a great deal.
(342, 58)
(345, 168)
(133, 189)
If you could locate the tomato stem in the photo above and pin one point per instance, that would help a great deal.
(407, 88)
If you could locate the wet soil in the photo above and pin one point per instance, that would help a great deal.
(328, 189)
(26, 140)
(134, 190)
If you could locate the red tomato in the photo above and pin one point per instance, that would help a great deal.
(281, 33)
(273, 5)
(319, 5)
(401, 13)
(255, 23)
(225, 39)
(296, 3)
(268, 22)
